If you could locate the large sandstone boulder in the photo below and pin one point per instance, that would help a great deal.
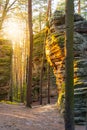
(55, 53)
(5, 68)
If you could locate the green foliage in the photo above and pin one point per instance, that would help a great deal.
(5, 59)
(39, 40)
(61, 40)
(61, 103)
(36, 79)
(38, 44)
(47, 24)
(5, 66)
(8, 102)
(83, 5)
(61, 6)
(58, 38)
(39, 14)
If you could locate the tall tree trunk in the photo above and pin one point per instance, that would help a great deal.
(6, 8)
(42, 67)
(29, 83)
(11, 82)
(48, 66)
(86, 112)
(41, 74)
(79, 7)
(69, 71)
(49, 9)
(17, 85)
(48, 81)
(40, 20)
(21, 85)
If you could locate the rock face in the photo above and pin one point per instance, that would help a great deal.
(36, 70)
(5, 68)
(56, 56)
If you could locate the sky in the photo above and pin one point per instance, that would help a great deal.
(55, 3)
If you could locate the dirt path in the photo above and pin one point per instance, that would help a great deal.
(18, 117)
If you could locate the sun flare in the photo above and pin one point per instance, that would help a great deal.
(14, 30)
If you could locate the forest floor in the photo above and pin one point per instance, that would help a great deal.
(18, 117)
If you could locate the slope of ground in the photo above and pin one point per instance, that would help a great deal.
(18, 117)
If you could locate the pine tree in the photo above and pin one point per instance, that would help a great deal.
(29, 80)
(69, 88)
(79, 8)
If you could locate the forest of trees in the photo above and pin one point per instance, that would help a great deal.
(21, 21)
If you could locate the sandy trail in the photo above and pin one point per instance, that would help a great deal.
(18, 117)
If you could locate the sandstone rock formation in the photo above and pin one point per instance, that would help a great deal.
(5, 67)
(56, 56)
(36, 70)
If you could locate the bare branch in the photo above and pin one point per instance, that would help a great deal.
(11, 4)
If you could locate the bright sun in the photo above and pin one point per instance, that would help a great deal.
(13, 30)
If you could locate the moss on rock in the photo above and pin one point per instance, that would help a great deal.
(55, 52)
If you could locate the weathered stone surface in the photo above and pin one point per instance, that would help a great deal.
(36, 70)
(5, 67)
(81, 26)
(56, 56)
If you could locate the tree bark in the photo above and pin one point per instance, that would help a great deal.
(48, 82)
(41, 74)
(49, 9)
(29, 83)
(79, 8)
(69, 71)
